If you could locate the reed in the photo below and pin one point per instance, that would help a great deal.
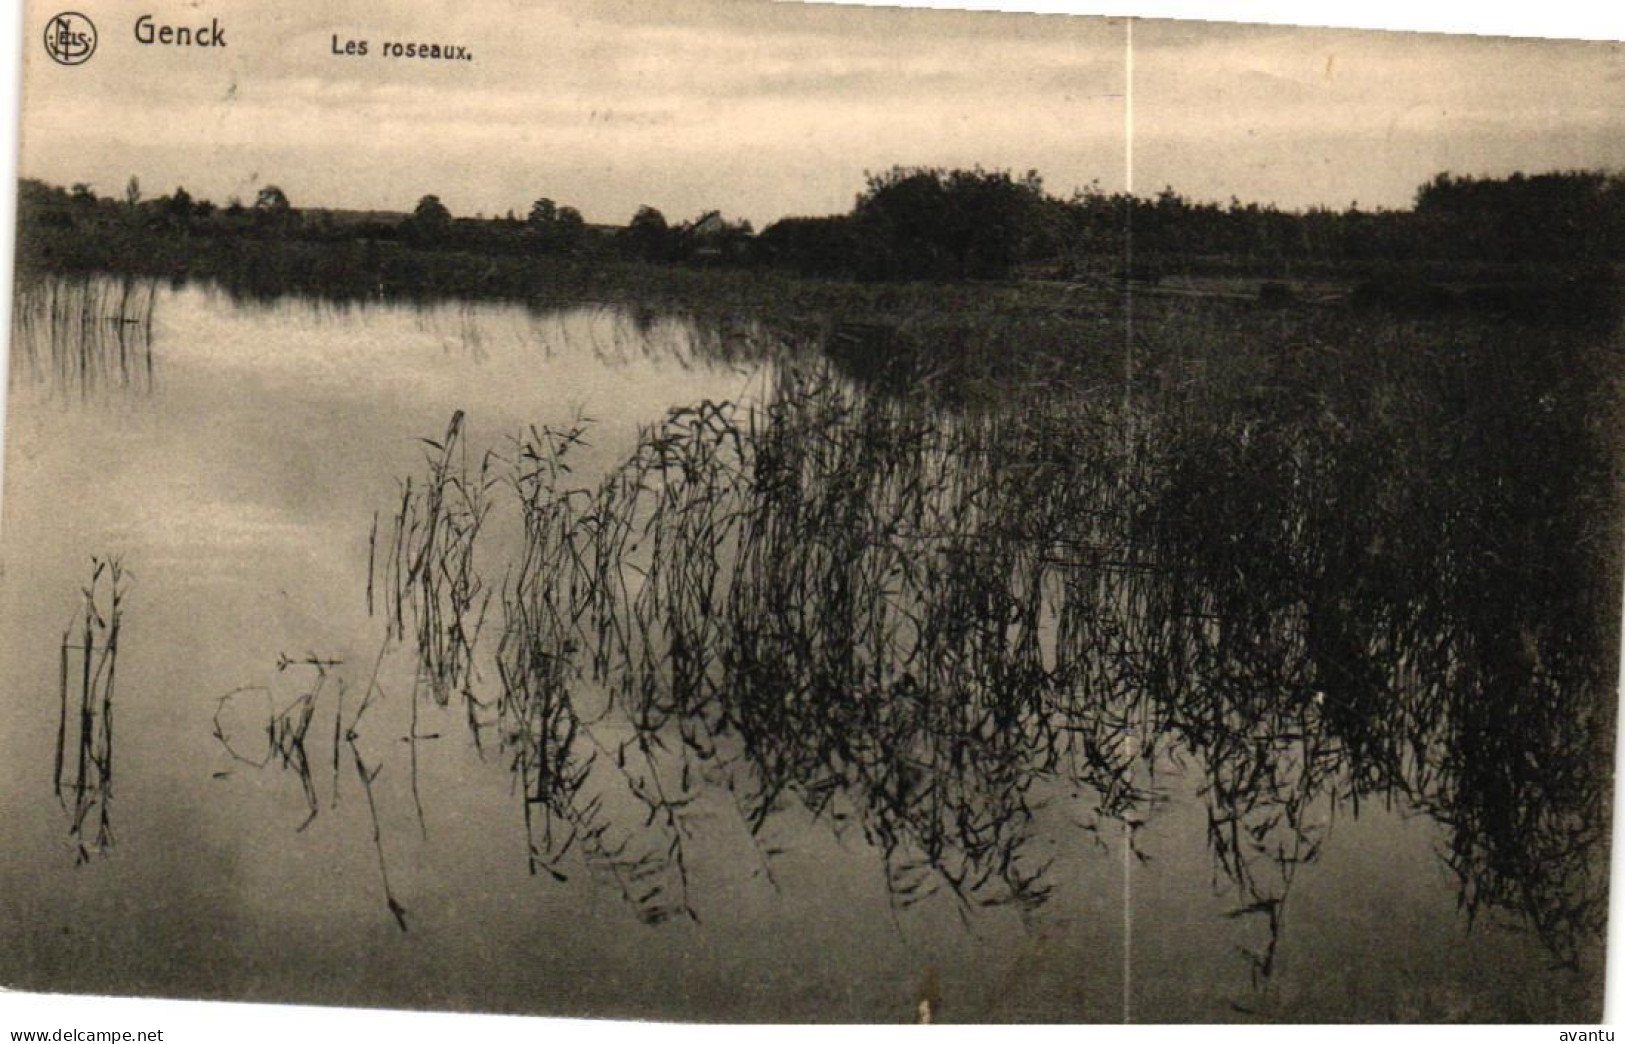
(85, 708)
(286, 730)
(432, 576)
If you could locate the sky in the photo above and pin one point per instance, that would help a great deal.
(766, 109)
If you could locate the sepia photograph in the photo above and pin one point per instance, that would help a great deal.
(745, 511)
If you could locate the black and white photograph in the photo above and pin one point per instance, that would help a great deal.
(734, 511)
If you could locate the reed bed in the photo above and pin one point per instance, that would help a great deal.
(943, 623)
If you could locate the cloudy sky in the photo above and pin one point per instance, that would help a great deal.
(765, 109)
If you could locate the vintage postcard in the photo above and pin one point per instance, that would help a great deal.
(728, 511)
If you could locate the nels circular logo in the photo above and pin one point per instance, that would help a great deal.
(70, 38)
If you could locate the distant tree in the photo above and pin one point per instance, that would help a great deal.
(949, 224)
(272, 210)
(569, 228)
(648, 235)
(35, 193)
(543, 212)
(40, 205)
(552, 229)
(272, 199)
(179, 207)
(430, 222)
(82, 195)
(132, 192)
(649, 219)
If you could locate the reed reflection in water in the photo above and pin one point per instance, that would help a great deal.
(84, 336)
(1322, 580)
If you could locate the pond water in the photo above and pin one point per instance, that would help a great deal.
(826, 704)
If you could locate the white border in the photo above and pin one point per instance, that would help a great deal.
(253, 1024)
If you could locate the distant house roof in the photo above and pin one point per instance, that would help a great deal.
(709, 224)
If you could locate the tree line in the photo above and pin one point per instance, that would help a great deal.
(929, 223)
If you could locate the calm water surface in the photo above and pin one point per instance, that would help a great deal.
(237, 462)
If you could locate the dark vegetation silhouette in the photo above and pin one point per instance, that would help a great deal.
(1529, 243)
(430, 223)
(918, 223)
